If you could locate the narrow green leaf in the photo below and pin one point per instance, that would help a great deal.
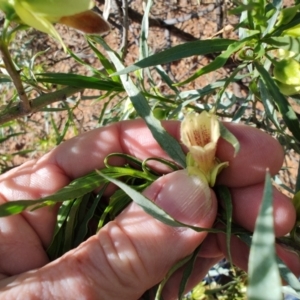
(217, 63)
(288, 276)
(75, 189)
(264, 278)
(70, 225)
(284, 107)
(174, 268)
(277, 4)
(230, 138)
(166, 79)
(284, 42)
(5, 79)
(82, 227)
(267, 101)
(151, 208)
(188, 271)
(8, 136)
(297, 187)
(144, 51)
(169, 144)
(55, 249)
(201, 47)
(80, 81)
(225, 196)
(285, 272)
(109, 68)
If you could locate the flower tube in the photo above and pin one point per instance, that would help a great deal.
(200, 134)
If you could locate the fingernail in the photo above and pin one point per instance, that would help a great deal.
(184, 197)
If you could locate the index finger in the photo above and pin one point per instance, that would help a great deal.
(258, 150)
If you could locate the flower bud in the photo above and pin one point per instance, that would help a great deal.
(41, 14)
(287, 71)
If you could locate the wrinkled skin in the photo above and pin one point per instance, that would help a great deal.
(134, 252)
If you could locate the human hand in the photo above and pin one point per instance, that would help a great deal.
(134, 252)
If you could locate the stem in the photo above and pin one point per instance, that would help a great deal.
(24, 105)
(123, 8)
(37, 104)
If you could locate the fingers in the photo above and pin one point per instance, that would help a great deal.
(240, 254)
(21, 248)
(86, 153)
(258, 152)
(246, 203)
(131, 253)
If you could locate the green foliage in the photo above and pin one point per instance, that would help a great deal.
(263, 60)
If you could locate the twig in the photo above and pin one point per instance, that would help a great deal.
(123, 8)
(24, 105)
(13, 112)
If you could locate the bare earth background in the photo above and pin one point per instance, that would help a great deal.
(172, 22)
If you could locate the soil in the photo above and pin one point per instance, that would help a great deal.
(172, 22)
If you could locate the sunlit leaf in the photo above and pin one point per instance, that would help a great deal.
(264, 278)
(230, 138)
(75, 189)
(151, 208)
(284, 42)
(169, 144)
(216, 64)
(80, 81)
(288, 114)
(201, 47)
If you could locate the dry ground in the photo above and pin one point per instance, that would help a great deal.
(172, 22)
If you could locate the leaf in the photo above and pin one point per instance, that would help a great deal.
(169, 144)
(288, 276)
(201, 47)
(230, 138)
(284, 107)
(277, 4)
(70, 225)
(296, 203)
(151, 208)
(174, 268)
(284, 42)
(268, 105)
(80, 81)
(108, 66)
(82, 228)
(297, 187)
(144, 51)
(217, 63)
(264, 278)
(189, 267)
(8, 136)
(55, 249)
(75, 189)
(285, 272)
(225, 196)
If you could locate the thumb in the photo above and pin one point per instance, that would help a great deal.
(132, 253)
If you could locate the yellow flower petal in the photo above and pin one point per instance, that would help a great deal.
(200, 133)
(199, 130)
(41, 14)
(34, 20)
